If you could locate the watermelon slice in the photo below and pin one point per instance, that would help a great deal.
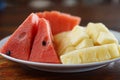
(43, 49)
(60, 22)
(20, 42)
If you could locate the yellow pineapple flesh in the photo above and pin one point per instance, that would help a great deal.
(91, 54)
(106, 38)
(70, 58)
(77, 35)
(85, 43)
(94, 29)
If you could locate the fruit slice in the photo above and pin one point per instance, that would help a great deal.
(94, 29)
(88, 55)
(68, 49)
(85, 43)
(71, 58)
(113, 50)
(103, 53)
(58, 38)
(20, 42)
(106, 38)
(65, 43)
(62, 41)
(119, 48)
(43, 49)
(91, 54)
(77, 35)
(60, 22)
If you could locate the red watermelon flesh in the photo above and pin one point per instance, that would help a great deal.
(60, 22)
(43, 49)
(20, 42)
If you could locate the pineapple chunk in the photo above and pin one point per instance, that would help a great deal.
(62, 41)
(119, 48)
(91, 54)
(63, 45)
(94, 29)
(103, 53)
(78, 34)
(88, 55)
(106, 38)
(71, 58)
(113, 50)
(85, 43)
(58, 37)
(68, 49)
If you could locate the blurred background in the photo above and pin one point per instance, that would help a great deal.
(14, 12)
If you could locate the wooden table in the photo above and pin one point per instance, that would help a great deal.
(107, 12)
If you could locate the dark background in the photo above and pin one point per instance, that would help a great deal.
(14, 12)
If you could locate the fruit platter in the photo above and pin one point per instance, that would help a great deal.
(56, 42)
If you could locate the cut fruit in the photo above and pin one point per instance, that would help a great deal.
(113, 50)
(68, 49)
(60, 22)
(58, 38)
(103, 53)
(91, 54)
(106, 38)
(62, 41)
(43, 49)
(85, 43)
(71, 58)
(88, 55)
(20, 42)
(94, 29)
(77, 35)
(65, 43)
(119, 48)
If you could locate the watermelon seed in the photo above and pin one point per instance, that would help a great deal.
(8, 53)
(44, 43)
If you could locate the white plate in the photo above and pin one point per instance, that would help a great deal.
(61, 67)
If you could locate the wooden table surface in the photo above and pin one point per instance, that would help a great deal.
(107, 12)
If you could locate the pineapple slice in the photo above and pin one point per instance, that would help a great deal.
(65, 43)
(58, 37)
(119, 48)
(85, 43)
(113, 50)
(106, 38)
(103, 53)
(91, 54)
(78, 34)
(62, 41)
(71, 58)
(94, 29)
(88, 55)
(68, 49)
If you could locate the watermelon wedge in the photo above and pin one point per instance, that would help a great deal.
(60, 22)
(20, 42)
(43, 49)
